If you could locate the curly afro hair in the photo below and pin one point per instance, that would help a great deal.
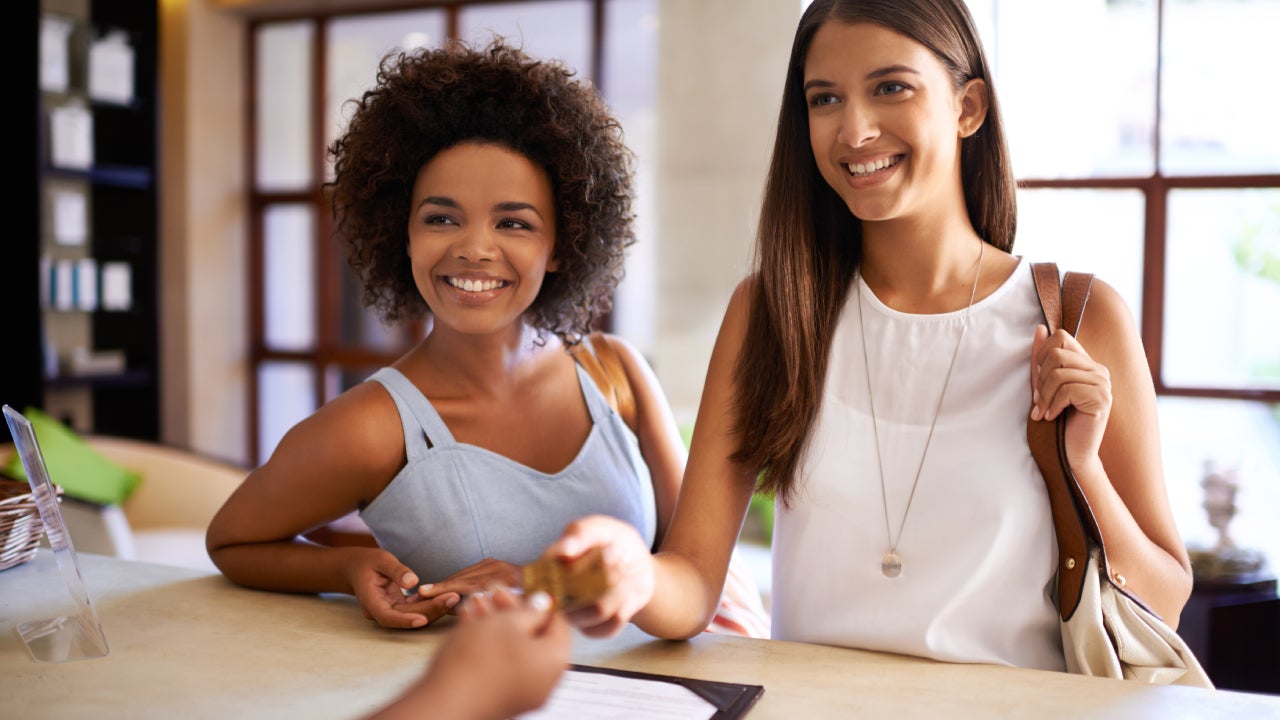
(427, 101)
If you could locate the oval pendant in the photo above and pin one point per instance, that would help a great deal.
(891, 564)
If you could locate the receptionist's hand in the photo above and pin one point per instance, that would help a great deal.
(628, 569)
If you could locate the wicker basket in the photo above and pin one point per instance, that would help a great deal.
(20, 525)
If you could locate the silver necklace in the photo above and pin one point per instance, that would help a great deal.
(891, 563)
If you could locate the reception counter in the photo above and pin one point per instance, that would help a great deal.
(185, 644)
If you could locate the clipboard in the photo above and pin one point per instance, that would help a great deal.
(732, 700)
(586, 692)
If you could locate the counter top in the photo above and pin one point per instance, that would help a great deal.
(187, 644)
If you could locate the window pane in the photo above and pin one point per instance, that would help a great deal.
(1222, 289)
(629, 84)
(284, 100)
(553, 29)
(289, 298)
(1097, 231)
(286, 395)
(1220, 98)
(1076, 84)
(338, 380)
(357, 43)
(1234, 434)
(362, 327)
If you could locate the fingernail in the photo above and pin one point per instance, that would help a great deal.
(540, 601)
(409, 579)
(452, 601)
(425, 588)
(419, 621)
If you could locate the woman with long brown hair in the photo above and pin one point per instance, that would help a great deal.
(875, 372)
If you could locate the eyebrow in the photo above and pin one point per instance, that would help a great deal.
(873, 75)
(439, 200)
(513, 206)
(509, 206)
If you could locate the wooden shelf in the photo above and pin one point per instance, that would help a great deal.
(121, 225)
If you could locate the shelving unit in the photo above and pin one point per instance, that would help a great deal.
(90, 356)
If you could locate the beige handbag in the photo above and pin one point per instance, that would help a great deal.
(1106, 631)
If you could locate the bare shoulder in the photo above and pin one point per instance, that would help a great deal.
(625, 349)
(1108, 328)
(1107, 306)
(357, 434)
(634, 362)
(737, 315)
(744, 293)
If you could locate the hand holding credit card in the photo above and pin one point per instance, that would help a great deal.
(570, 583)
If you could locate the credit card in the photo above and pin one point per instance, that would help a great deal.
(570, 583)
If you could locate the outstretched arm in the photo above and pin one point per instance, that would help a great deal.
(1113, 445)
(326, 466)
(674, 593)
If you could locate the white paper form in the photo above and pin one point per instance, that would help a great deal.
(597, 696)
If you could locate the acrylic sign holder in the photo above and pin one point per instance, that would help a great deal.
(78, 635)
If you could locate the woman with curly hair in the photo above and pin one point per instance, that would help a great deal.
(489, 194)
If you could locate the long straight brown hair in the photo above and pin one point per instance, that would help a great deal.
(809, 244)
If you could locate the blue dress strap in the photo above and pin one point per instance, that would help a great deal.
(413, 405)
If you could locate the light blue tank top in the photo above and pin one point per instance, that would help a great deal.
(455, 504)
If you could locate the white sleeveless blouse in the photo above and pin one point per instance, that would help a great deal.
(978, 550)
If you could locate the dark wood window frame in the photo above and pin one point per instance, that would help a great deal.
(1155, 192)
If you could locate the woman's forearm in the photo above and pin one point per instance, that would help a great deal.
(287, 566)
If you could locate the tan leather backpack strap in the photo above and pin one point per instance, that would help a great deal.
(1050, 292)
(1075, 293)
(604, 366)
(1044, 439)
(624, 398)
(583, 355)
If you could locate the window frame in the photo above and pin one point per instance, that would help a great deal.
(1155, 190)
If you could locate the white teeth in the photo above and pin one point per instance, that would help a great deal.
(868, 168)
(475, 285)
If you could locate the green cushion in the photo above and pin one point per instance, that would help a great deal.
(82, 472)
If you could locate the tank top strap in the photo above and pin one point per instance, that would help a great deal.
(420, 420)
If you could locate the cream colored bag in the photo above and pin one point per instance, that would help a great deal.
(1106, 631)
(1112, 634)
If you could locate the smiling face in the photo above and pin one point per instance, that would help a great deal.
(885, 121)
(481, 236)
